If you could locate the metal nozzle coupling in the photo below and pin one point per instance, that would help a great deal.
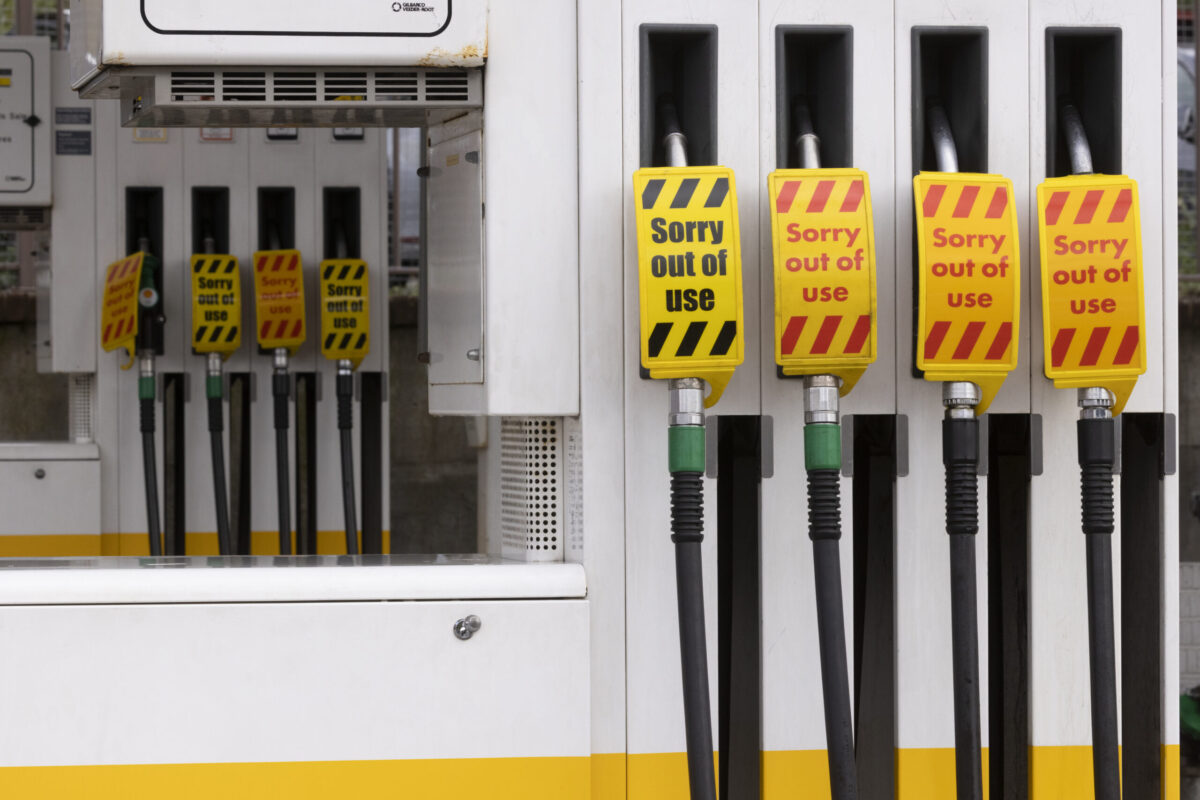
(146, 366)
(214, 365)
(821, 394)
(345, 367)
(1095, 403)
(282, 358)
(687, 402)
(960, 399)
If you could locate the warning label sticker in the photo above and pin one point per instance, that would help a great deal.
(824, 245)
(216, 304)
(279, 299)
(345, 310)
(970, 279)
(119, 312)
(690, 277)
(1092, 294)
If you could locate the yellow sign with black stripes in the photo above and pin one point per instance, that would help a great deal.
(690, 274)
(216, 304)
(345, 310)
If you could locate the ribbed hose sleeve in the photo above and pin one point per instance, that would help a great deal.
(280, 391)
(216, 427)
(150, 473)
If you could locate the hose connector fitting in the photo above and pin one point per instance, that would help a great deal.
(821, 394)
(960, 399)
(1095, 402)
(687, 402)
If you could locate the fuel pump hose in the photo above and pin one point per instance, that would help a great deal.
(960, 455)
(146, 392)
(686, 448)
(280, 391)
(345, 409)
(823, 460)
(216, 429)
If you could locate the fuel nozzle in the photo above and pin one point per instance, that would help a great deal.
(150, 303)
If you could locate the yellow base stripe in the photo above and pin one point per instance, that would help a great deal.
(928, 773)
(795, 773)
(262, 543)
(1170, 771)
(608, 776)
(443, 779)
(659, 776)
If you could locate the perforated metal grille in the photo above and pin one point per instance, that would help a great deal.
(436, 86)
(81, 422)
(531, 481)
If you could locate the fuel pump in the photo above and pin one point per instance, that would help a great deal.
(345, 339)
(689, 266)
(825, 331)
(216, 334)
(1094, 322)
(969, 311)
(279, 305)
(132, 319)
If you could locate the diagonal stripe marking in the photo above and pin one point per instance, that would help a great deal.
(260, 264)
(1062, 343)
(362, 268)
(329, 271)
(345, 272)
(278, 263)
(1091, 201)
(1121, 207)
(858, 338)
(1054, 208)
(297, 328)
(787, 194)
(966, 201)
(1000, 343)
(724, 338)
(853, 198)
(216, 335)
(329, 341)
(933, 342)
(266, 330)
(716, 198)
(687, 188)
(967, 343)
(362, 342)
(651, 192)
(658, 337)
(691, 338)
(1128, 348)
(203, 329)
(933, 199)
(829, 329)
(821, 197)
(1095, 345)
(999, 203)
(791, 334)
(233, 332)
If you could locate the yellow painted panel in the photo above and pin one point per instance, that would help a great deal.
(1170, 769)
(659, 776)
(443, 779)
(608, 776)
(928, 773)
(262, 543)
(795, 773)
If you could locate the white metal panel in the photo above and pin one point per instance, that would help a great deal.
(794, 718)
(655, 701)
(601, 296)
(32, 492)
(74, 284)
(25, 152)
(531, 191)
(235, 683)
(456, 270)
(925, 701)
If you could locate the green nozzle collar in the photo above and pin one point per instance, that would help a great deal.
(146, 390)
(214, 386)
(823, 446)
(686, 448)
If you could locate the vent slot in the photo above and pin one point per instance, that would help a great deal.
(447, 86)
(193, 87)
(293, 87)
(531, 480)
(244, 87)
(345, 87)
(397, 87)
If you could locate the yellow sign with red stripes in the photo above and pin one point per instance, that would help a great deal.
(1093, 301)
(690, 274)
(345, 310)
(216, 304)
(119, 312)
(824, 245)
(970, 279)
(279, 299)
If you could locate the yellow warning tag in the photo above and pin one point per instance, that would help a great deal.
(690, 274)
(824, 244)
(279, 299)
(970, 279)
(119, 314)
(216, 304)
(1094, 313)
(345, 310)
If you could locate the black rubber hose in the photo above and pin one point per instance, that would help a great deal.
(216, 429)
(825, 529)
(1097, 454)
(150, 470)
(280, 389)
(345, 396)
(960, 454)
(687, 527)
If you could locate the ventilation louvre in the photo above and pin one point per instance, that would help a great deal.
(531, 488)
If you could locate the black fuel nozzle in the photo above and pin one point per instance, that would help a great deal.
(152, 317)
